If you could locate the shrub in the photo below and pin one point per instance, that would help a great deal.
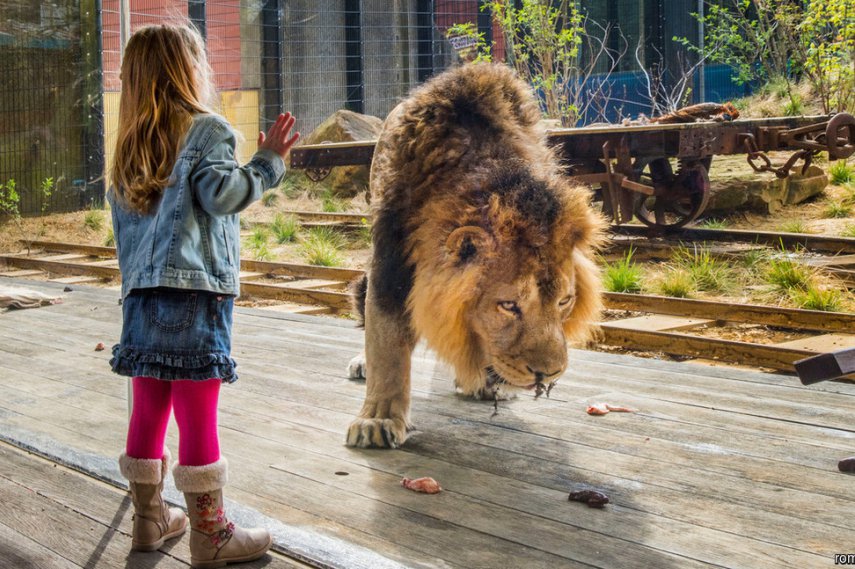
(258, 238)
(677, 282)
(322, 246)
(94, 219)
(708, 272)
(836, 209)
(623, 275)
(828, 300)
(794, 226)
(786, 275)
(110, 238)
(284, 228)
(841, 173)
(268, 199)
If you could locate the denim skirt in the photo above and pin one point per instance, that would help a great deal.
(173, 334)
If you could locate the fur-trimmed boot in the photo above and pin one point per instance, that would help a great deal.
(154, 521)
(214, 540)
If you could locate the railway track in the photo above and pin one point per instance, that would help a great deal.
(832, 255)
(680, 327)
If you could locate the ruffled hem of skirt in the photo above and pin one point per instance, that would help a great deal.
(133, 363)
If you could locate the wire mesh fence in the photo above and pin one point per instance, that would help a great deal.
(60, 66)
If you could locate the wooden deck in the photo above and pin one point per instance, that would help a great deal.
(718, 468)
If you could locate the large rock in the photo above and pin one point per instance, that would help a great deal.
(763, 192)
(346, 126)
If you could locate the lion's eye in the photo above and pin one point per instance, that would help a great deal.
(509, 306)
(566, 300)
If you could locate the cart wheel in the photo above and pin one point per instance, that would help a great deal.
(679, 198)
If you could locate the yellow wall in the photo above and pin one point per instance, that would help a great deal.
(239, 107)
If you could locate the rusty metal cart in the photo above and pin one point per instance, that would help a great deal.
(657, 173)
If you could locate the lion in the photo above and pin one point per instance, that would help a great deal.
(481, 247)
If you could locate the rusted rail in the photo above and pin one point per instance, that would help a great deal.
(631, 165)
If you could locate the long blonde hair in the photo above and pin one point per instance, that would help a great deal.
(166, 79)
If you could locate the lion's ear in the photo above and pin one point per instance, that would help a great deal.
(467, 243)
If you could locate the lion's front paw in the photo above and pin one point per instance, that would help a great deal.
(377, 433)
(357, 368)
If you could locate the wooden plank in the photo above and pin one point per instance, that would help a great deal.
(64, 257)
(731, 312)
(817, 243)
(300, 270)
(822, 343)
(75, 280)
(660, 322)
(337, 300)
(60, 267)
(56, 486)
(22, 273)
(771, 356)
(20, 551)
(297, 309)
(80, 248)
(316, 284)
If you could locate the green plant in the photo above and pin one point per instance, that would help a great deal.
(332, 204)
(841, 173)
(708, 272)
(268, 199)
(258, 237)
(848, 231)
(322, 246)
(794, 106)
(714, 223)
(94, 219)
(828, 300)
(544, 42)
(47, 187)
(794, 226)
(786, 274)
(261, 252)
(110, 238)
(677, 282)
(836, 209)
(292, 185)
(825, 52)
(244, 223)
(284, 228)
(757, 39)
(623, 275)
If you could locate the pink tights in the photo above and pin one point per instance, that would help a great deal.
(195, 405)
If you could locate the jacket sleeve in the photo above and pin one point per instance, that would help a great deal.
(221, 185)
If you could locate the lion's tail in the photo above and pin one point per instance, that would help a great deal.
(358, 290)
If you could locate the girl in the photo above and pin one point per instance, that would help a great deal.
(176, 192)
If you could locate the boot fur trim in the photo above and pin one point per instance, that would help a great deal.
(145, 470)
(198, 479)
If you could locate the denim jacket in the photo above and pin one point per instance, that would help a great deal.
(192, 240)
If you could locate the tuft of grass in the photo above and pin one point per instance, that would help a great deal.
(332, 204)
(708, 272)
(794, 106)
(262, 252)
(788, 275)
(841, 173)
(714, 223)
(322, 246)
(110, 238)
(284, 228)
(244, 223)
(827, 300)
(268, 199)
(794, 226)
(836, 209)
(848, 231)
(623, 275)
(293, 184)
(258, 238)
(94, 219)
(677, 282)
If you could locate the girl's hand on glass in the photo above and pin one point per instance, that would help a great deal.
(277, 137)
